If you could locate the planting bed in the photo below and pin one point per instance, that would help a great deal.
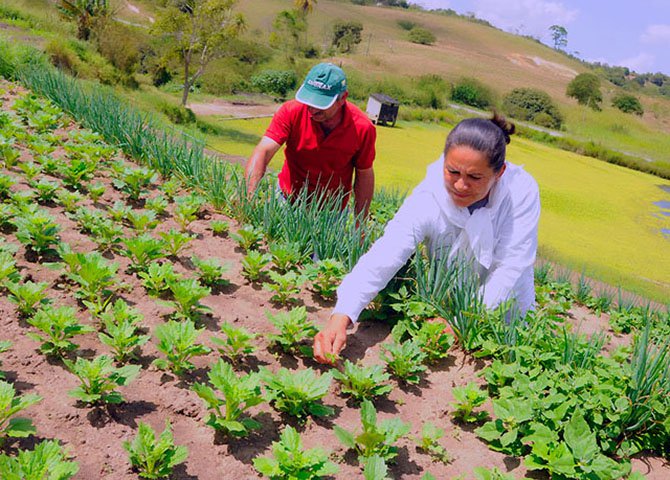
(94, 434)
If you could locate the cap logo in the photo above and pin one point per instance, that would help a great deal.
(319, 85)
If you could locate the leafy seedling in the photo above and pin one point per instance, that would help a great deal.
(158, 276)
(284, 287)
(219, 227)
(286, 255)
(210, 271)
(99, 379)
(187, 295)
(237, 342)
(135, 181)
(177, 341)
(298, 393)
(187, 209)
(143, 249)
(294, 328)
(404, 361)
(11, 404)
(70, 201)
(142, 220)
(122, 336)
(46, 461)
(96, 191)
(363, 383)
(253, 264)
(325, 276)
(27, 296)
(375, 468)
(175, 241)
(157, 204)
(58, 326)
(429, 443)
(155, 457)
(38, 231)
(238, 394)
(468, 398)
(248, 237)
(290, 461)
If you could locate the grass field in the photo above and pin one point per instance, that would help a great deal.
(596, 217)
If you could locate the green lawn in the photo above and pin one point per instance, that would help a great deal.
(596, 217)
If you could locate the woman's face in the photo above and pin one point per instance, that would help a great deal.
(468, 177)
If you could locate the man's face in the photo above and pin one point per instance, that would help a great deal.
(329, 113)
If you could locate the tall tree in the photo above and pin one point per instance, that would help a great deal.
(288, 29)
(585, 88)
(85, 12)
(560, 36)
(197, 32)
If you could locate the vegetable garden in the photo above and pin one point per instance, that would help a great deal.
(157, 322)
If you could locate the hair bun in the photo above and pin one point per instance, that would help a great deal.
(501, 122)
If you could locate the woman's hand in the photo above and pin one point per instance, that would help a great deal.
(332, 339)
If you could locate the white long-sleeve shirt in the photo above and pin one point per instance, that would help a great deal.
(501, 237)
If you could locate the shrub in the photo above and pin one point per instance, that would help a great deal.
(346, 35)
(627, 103)
(422, 36)
(431, 91)
(121, 46)
(533, 105)
(275, 82)
(178, 114)
(585, 88)
(406, 24)
(472, 92)
(62, 57)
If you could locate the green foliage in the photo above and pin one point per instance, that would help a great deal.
(187, 209)
(210, 271)
(141, 250)
(346, 35)
(177, 341)
(253, 264)
(361, 382)
(429, 335)
(121, 331)
(11, 404)
(154, 457)
(142, 220)
(482, 473)
(37, 230)
(46, 461)
(404, 360)
(406, 24)
(298, 393)
(560, 36)
(248, 237)
(8, 271)
(468, 398)
(27, 296)
(46, 190)
(237, 342)
(219, 227)
(158, 277)
(157, 204)
(284, 287)
(374, 468)
(134, 181)
(325, 276)
(275, 82)
(175, 241)
(585, 88)
(288, 29)
(421, 35)
(628, 103)
(286, 255)
(94, 275)
(99, 379)
(374, 439)
(472, 92)
(238, 395)
(530, 104)
(186, 296)
(178, 114)
(289, 460)
(59, 325)
(429, 443)
(294, 328)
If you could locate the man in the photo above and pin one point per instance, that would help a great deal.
(329, 141)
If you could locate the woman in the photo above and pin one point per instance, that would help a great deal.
(471, 201)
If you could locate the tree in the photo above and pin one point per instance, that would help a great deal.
(628, 103)
(346, 35)
(304, 6)
(560, 36)
(85, 12)
(197, 32)
(533, 105)
(287, 33)
(585, 87)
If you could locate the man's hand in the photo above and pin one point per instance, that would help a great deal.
(331, 340)
(258, 162)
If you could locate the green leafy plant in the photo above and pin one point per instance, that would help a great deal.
(46, 190)
(482, 473)
(237, 342)
(11, 404)
(134, 181)
(27, 295)
(325, 276)
(99, 379)
(59, 325)
(46, 461)
(119, 211)
(219, 227)
(142, 220)
(429, 443)
(253, 264)
(374, 439)
(361, 382)
(122, 336)
(285, 287)
(238, 395)
(404, 360)
(187, 295)
(143, 249)
(6, 183)
(248, 237)
(107, 234)
(175, 241)
(468, 398)
(156, 279)
(38, 231)
(431, 336)
(298, 393)
(30, 170)
(96, 191)
(210, 271)
(70, 201)
(8, 271)
(171, 187)
(94, 275)
(291, 461)
(187, 209)
(294, 328)
(286, 255)
(176, 340)
(157, 204)
(155, 457)
(375, 468)
(77, 172)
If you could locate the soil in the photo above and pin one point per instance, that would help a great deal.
(94, 436)
(233, 109)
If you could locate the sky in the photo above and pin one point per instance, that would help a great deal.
(630, 33)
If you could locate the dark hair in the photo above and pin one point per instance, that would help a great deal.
(489, 136)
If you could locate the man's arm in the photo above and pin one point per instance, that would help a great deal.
(364, 187)
(258, 162)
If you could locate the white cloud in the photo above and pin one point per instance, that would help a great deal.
(532, 17)
(656, 34)
(642, 62)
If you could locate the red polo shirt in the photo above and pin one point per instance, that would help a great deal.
(315, 159)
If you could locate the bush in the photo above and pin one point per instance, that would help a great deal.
(533, 105)
(346, 35)
(431, 91)
(178, 114)
(225, 76)
(62, 57)
(422, 36)
(627, 103)
(407, 24)
(121, 46)
(470, 91)
(275, 82)
(585, 88)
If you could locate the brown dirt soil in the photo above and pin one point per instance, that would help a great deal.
(94, 436)
(233, 109)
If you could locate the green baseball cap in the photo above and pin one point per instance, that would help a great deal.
(322, 85)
